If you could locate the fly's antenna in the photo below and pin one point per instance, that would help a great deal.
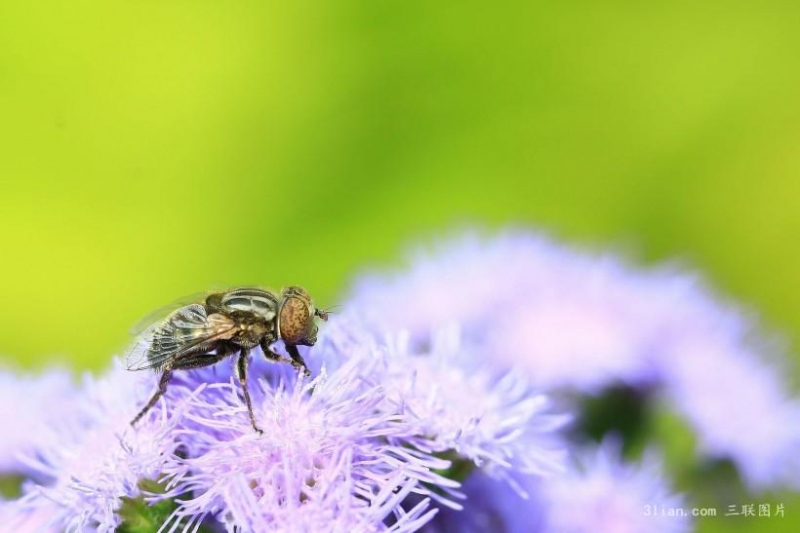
(323, 313)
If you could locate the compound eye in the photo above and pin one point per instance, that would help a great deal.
(294, 321)
(294, 290)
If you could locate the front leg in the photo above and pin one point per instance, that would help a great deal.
(241, 373)
(297, 359)
(272, 355)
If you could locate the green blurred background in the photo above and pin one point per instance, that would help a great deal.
(152, 149)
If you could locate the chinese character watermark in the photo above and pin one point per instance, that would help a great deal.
(748, 510)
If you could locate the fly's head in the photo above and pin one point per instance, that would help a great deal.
(296, 318)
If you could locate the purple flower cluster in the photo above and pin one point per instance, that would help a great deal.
(28, 403)
(367, 445)
(581, 321)
(82, 458)
(429, 409)
(333, 457)
(599, 493)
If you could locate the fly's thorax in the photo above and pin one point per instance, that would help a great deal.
(252, 329)
(252, 300)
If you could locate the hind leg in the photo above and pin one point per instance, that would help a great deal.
(190, 361)
(241, 373)
(162, 388)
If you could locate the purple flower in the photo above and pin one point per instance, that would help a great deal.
(330, 458)
(425, 381)
(600, 493)
(88, 459)
(336, 458)
(585, 321)
(606, 495)
(572, 319)
(366, 446)
(460, 403)
(28, 403)
(39, 518)
(739, 408)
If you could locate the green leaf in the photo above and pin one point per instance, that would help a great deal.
(139, 516)
(460, 467)
(10, 486)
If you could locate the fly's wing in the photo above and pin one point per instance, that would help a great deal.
(184, 331)
(159, 315)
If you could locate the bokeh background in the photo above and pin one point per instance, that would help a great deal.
(153, 149)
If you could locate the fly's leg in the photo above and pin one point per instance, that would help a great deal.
(297, 359)
(241, 373)
(272, 355)
(201, 358)
(162, 388)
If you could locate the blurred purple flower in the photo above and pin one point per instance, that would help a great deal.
(88, 458)
(28, 403)
(572, 319)
(38, 519)
(461, 403)
(739, 407)
(492, 506)
(584, 321)
(601, 493)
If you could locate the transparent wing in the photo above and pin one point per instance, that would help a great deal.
(147, 322)
(185, 330)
